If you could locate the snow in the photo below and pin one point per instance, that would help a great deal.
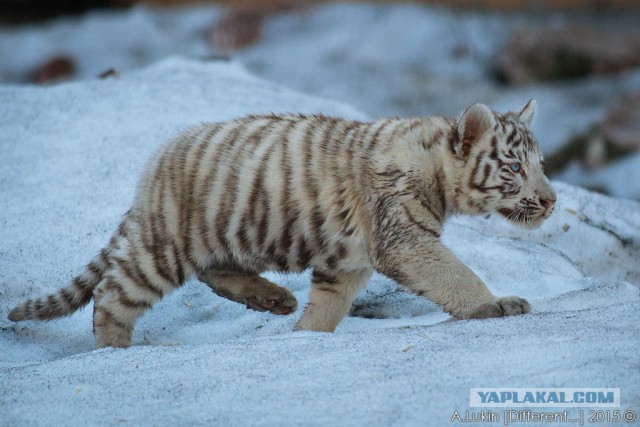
(69, 158)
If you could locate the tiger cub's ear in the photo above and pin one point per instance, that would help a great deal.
(527, 113)
(472, 125)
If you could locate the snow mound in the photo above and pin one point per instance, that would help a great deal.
(69, 159)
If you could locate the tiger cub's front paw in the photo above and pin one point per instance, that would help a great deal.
(506, 306)
(513, 305)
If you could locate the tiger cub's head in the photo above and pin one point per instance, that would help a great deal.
(502, 166)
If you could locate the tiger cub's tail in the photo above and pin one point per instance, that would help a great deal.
(66, 300)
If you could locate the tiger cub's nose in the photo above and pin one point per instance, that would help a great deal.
(547, 203)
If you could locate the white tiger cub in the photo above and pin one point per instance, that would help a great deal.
(226, 201)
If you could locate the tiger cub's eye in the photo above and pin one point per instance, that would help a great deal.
(515, 167)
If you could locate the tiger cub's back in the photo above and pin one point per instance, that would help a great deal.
(264, 193)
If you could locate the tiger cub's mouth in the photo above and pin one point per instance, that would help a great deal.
(526, 217)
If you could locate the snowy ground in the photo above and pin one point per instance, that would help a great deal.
(69, 158)
(383, 59)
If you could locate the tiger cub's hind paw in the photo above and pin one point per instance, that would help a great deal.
(274, 299)
(252, 290)
(264, 295)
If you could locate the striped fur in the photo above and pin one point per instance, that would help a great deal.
(226, 201)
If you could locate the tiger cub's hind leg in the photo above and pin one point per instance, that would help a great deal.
(254, 291)
(332, 294)
(132, 283)
(116, 310)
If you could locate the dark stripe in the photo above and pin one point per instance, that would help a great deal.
(440, 184)
(375, 138)
(228, 203)
(335, 126)
(419, 224)
(315, 219)
(155, 192)
(94, 269)
(435, 140)
(191, 189)
(425, 204)
(511, 135)
(67, 296)
(201, 226)
(136, 276)
(277, 258)
(320, 277)
(248, 218)
(243, 238)
(123, 298)
(161, 236)
(104, 259)
(109, 319)
(289, 209)
(398, 130)
(80, 284)
(349, 180)
(161, 263)
(332, 261)
(259, 195)
(341, 250)
(494, 148)
(511, 155)
(452, 140)
(154, 229)
(263, 222)
(179, 267)
(486, 172)
(304, 253)
(181, 192)
(414, 124)
(52, 304)
(474, 173)
(122, 228)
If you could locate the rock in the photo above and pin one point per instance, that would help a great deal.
(552, 54)
(241, 25)
(110, 72)
(54, 69)
(621, 125)
(616, 135)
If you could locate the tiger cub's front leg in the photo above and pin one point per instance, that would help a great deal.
(250, 289)
(428, 268)
(332, 294)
